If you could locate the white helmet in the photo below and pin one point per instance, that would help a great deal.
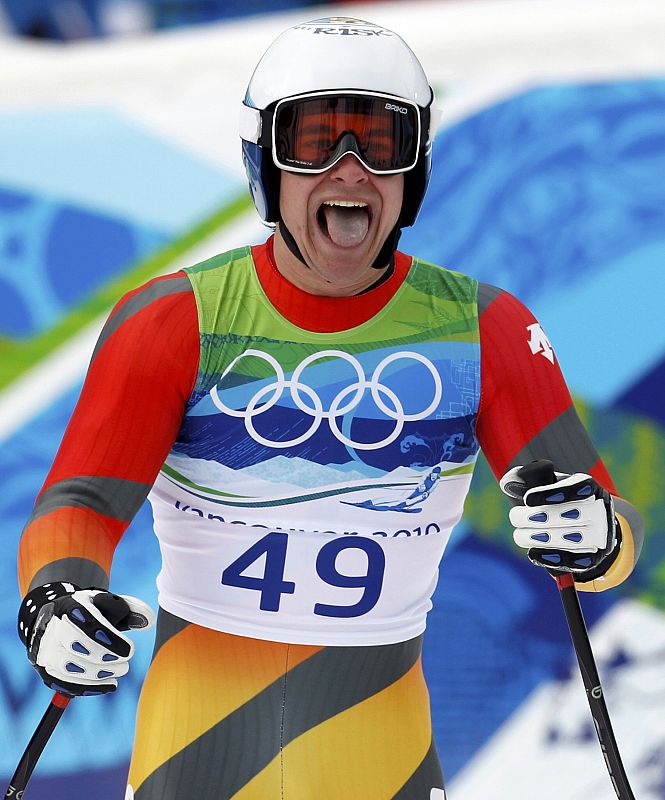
(330, 56)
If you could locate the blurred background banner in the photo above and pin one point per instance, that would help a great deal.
(120, 160)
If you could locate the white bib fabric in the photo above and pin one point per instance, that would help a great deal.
(282, 575)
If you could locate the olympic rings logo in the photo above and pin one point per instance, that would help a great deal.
(346, 400)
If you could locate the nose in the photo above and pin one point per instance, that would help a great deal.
(349, 169)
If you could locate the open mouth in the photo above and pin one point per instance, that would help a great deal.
(345, 222)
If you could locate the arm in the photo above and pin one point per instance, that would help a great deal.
(526, 413)
(140, 377)
(141, 374)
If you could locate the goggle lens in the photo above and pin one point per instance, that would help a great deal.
(311, 133)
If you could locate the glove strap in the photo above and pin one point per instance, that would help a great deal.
(34, 600)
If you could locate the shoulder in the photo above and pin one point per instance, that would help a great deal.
(496, 305)
(506, 322)
(164, 290)
(510, 334)
(219, 261)
(448, 283)
(156, 307)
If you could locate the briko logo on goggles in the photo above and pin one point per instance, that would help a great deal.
(311, 132)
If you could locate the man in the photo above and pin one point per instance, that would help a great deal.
(306, 415)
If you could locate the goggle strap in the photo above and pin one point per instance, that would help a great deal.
(250, 124)
(430, 124)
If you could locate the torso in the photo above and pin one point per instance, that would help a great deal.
(316, 477)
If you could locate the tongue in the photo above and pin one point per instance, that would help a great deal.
(347, 227)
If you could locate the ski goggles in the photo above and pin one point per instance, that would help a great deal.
(311, 132)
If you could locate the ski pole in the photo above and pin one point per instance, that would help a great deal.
(36, 745)
(541, 473)
(115, 609)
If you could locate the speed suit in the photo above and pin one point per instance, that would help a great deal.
(306, 459)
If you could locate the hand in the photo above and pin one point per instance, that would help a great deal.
(566, 525)
(73, 636)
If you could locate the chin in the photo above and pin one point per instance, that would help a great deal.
(346, 268)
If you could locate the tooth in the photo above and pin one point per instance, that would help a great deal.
(345, 203)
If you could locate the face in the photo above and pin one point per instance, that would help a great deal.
(340, 219)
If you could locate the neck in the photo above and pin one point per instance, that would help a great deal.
(318, 281)
(316, 312)
(292, 265)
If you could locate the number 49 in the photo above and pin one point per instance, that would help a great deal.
(272, 585)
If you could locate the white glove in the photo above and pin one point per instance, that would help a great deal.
(566, 525)
(74, 638)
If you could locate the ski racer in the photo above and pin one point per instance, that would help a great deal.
(304, 416)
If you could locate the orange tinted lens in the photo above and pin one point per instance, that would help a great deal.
(308, 132)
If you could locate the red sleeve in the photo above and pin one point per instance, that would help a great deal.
(526, 411)
(128, 415)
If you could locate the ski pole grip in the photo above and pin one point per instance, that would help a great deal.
(537, 473)
(541, 473)
(114, 608)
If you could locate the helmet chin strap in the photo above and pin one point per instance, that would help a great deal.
(385, 257)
